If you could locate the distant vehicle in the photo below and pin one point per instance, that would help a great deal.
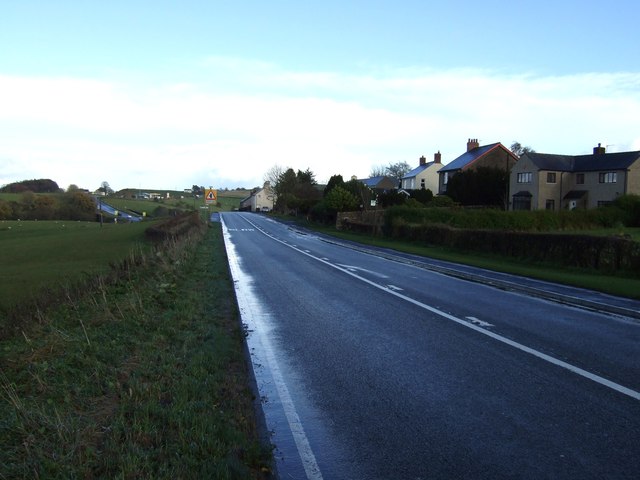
(264, 209)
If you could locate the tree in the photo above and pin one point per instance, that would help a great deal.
(378, 171)
(393, 170)
(341, 200)
(295, 192)
(42, 185)
(482, 186)
(398, 170)
(423, 196)
(519, 150)
(5, 210)
(273, 175)
(334, 181)
(78, 206)
(360, 191)
(105, 188)
(306, 177)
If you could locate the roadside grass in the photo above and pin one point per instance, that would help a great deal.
(631, 232)
(145, 378)
(39, 254)
(624, 286)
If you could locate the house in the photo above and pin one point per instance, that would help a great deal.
(424, 176)
(554, 182)
(380, 184)
(494, 155)
(260, 200)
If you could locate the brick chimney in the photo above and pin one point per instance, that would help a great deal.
(472, 143)
(423, 161)
(599, 150)
(437, 158)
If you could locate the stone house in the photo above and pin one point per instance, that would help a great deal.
(554, 182)
(494, 155)
(260, 200)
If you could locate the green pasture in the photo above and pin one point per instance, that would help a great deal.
(228, 201)
(37, 254)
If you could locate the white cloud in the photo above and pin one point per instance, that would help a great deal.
(230, 131)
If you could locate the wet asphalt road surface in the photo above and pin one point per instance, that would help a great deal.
(370, 368)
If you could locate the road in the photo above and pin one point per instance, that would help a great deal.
(371, 368)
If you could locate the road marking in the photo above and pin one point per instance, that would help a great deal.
(543, 356)
(394, 288)
(251, 311)
(353, 268)
(479, 322)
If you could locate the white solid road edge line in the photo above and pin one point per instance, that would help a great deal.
(247, 308)
(543, 356)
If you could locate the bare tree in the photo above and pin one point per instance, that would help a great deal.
(378, 171)
(398, 170)
(273, 175)
(519, 150)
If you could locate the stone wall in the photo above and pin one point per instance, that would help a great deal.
(369, 221)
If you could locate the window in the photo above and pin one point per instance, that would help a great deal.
(525, 177)
(422, 184)
(608, 177)
(445, 179)
(551, 177)
(579, 178)
(604, 203)
(550, 204)
(521, 202)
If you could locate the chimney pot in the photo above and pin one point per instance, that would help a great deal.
(472, 143)
(599, 150)
(437, 157)
(423, 160)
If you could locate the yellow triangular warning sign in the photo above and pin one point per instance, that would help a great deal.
(210, 196)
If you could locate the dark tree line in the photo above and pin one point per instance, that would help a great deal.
(42, 185)
(73, 205)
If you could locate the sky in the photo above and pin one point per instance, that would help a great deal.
(165, 94)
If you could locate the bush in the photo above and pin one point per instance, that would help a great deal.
(629, 209)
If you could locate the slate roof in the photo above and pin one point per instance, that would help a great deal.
(417, 170)
(584, 163)
(468, 157)
(374, 182)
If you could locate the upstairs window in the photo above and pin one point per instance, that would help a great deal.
(579, 178)
(551, 177)
(608, 177)
(525, 177)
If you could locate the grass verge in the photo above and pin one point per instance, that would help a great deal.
(614, 285)
(145, 378)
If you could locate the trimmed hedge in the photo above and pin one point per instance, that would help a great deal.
(608, 254)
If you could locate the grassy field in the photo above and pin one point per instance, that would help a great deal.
(36, 254)
(228, 201)
(145, 378)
